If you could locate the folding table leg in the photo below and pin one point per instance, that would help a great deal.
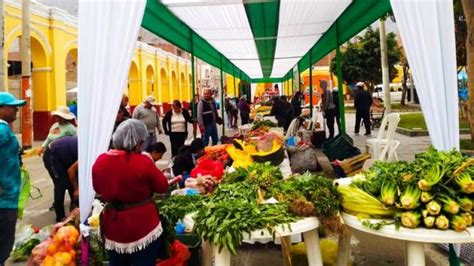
(223, 258)
(415, 253)
(344, 247)
(313, 250)
(285, 250)
(207, 252)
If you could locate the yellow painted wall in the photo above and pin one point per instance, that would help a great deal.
(54, 36)
(231, 90)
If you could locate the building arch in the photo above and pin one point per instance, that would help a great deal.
(174, 87)
(134, 91)
(164, 84)
(150, 80)
(36, 33)
(183, 88)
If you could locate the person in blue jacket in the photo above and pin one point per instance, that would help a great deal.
(10, 176)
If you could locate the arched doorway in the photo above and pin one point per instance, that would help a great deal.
(183, 89)
(165, 90)
(42, 93)
(150, 81)
(71, 80)
(134, 91)
(174, 87)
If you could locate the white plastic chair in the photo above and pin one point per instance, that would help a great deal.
(385, 134)
(387, 154)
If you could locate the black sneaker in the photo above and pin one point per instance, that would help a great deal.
(367, 134)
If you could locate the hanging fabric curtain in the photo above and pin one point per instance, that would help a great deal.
(108, 32)
(427, 32)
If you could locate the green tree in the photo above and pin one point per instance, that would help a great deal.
(360, 58)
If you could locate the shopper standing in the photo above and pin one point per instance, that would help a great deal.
(328, 107)
(63, 154)
(208, 118)
(126, 180)
(175, 125)
(147, 113)
(362, 103)
(64, 126)
(244, 109)
(337, 113)
(10, 175)
(296, 103)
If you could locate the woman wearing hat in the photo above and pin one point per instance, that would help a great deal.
(127, 180)
(63, 126)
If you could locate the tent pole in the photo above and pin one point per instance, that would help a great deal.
(193, 80)
(233, 78)
(310, 85)
(222, 99)
(339, 84)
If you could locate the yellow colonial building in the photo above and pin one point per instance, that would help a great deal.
(54, 43)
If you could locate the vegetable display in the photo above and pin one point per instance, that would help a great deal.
(435, 191)
(240, 204)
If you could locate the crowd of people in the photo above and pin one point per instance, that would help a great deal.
(126, 176)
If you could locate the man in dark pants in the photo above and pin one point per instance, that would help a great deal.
(10, 175)
(63, 156)
(362, 103)
(329, 108)
(208, 118)
(337, 114)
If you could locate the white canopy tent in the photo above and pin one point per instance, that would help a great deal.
(108, 31)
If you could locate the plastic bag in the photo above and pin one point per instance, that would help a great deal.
(39, 253)
(179, 255)
(304, 160)
(208, 167)
(24, 192)
(23, 233)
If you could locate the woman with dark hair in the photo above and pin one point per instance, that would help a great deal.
(296, 103)
(186, 160)
(175, 125)
(127, 180)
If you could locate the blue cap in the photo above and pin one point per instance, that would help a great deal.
(8, 99)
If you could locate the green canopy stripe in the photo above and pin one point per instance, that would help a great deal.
(359, 15)
(268, 80)
(263, 19)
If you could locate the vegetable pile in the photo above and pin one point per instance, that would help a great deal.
(240, 204)
(435, 191)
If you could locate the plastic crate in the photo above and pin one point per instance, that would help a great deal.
(467, 252)
(339, 148)
(194, 245)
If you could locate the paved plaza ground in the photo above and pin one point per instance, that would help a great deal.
(366, 249)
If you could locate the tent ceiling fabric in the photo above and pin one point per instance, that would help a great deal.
(225, 26)
(266, 38)
(263, 38)
(302, 23)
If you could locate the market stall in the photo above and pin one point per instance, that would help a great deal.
(101, 86)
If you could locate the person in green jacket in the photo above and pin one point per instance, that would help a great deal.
(10, 179)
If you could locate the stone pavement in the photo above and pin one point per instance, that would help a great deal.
(366, 249)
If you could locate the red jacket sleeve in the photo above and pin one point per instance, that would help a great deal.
(158, 181)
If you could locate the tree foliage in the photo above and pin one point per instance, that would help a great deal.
(361, 58)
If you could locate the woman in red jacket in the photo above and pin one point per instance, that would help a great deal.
(126, 180)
